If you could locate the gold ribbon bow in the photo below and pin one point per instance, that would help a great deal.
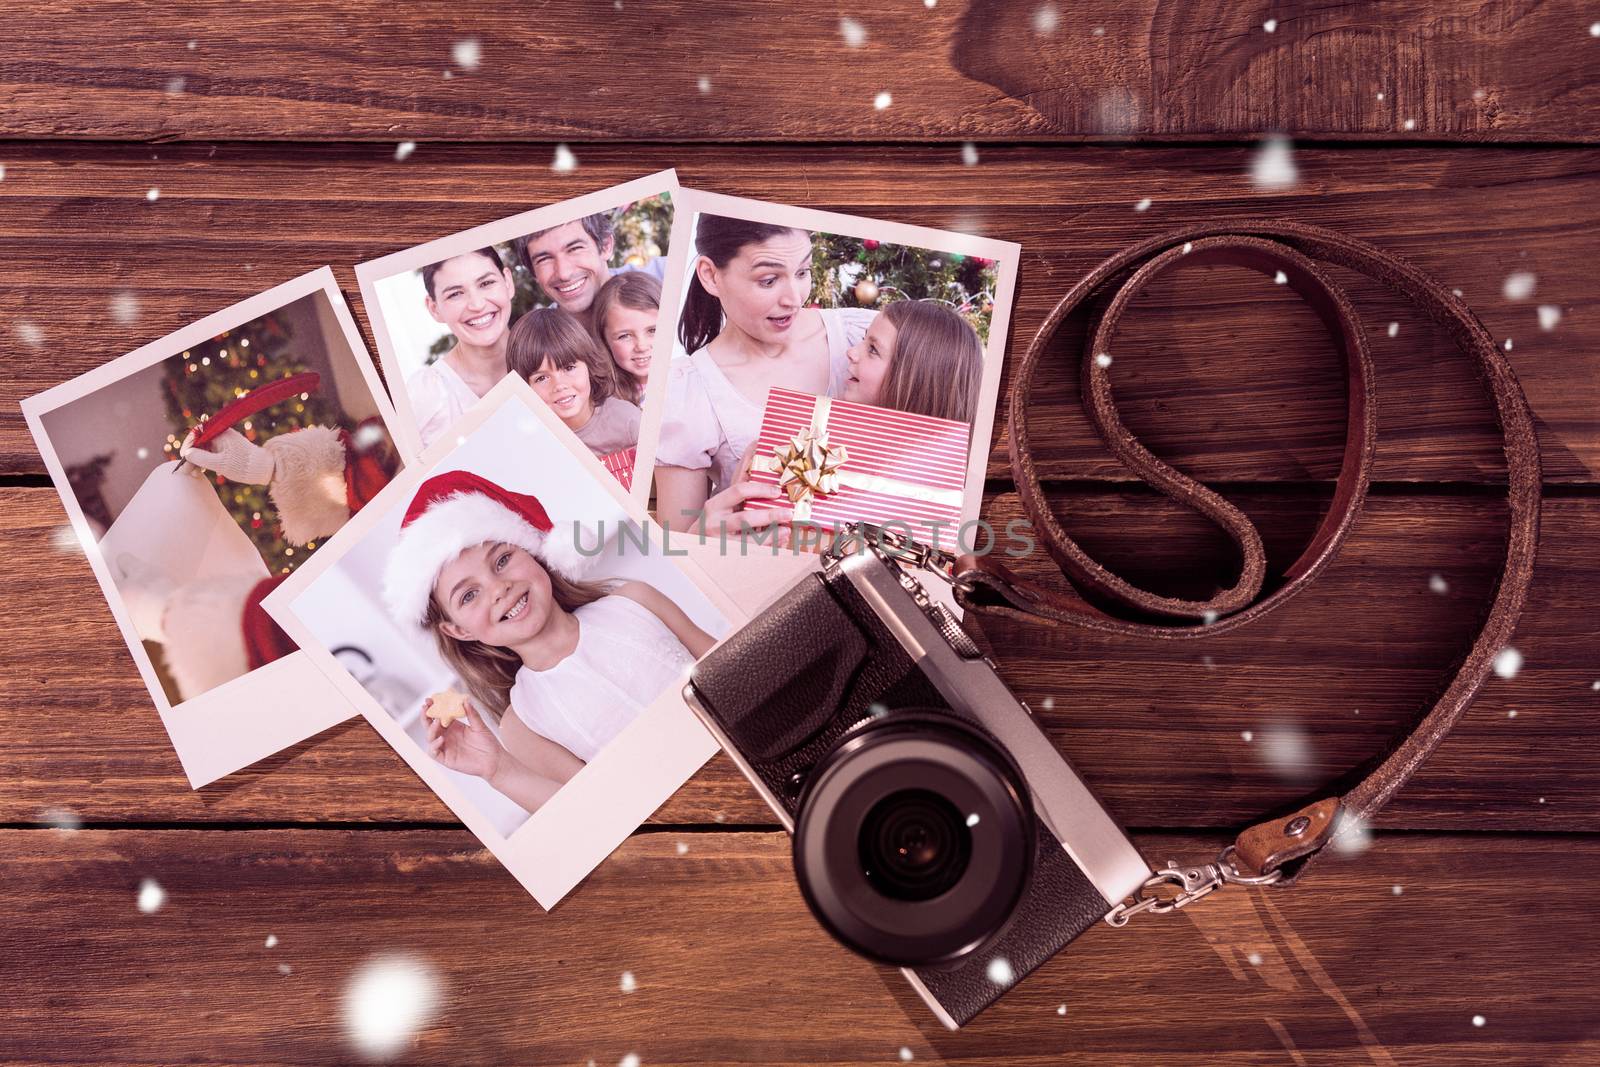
(807, 465)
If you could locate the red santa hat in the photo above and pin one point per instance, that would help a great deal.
(456, 511)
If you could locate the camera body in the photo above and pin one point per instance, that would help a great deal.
(935, 825)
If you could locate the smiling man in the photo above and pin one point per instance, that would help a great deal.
(570, 262)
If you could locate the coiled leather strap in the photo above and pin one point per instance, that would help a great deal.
(1300, 252)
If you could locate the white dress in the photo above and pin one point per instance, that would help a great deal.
(438, 398)
(626, 657)
(710, 424)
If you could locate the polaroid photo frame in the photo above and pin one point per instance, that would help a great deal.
(341, 608)
(412, 328)
(176, 552)
(973, 276)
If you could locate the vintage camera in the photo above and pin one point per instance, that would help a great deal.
(936, 828)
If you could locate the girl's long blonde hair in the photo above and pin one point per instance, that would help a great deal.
(937, 364)
(631, 289)
(489, 670)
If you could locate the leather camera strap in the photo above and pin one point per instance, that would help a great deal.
(1294, 255)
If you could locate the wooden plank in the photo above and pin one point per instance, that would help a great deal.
(1322, 684)
(985, 70)
(730, 968)
(1220, 372)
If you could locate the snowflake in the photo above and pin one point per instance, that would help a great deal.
(1478, 1020)
(1508, 344)
(404, 149)
(972, 820)
(1143, 205)
(720, 817)
(151, 896)
(1098, 31)
(124, 307)
(285, 969)
(628, 985)
(1352, 835)
(142, 452)
(1050, 702)
(882, 100)
(1254, 959)
(1274, 165)
(1380, 96)
(61, 819)
(2, 172)
(877, 711)
(1410, 124)
(906, 1055)
(1438, 585)
(1000, 972)
(1188, 246)
(153, 194)
(683, 848)
(1287, 750)
(175, 86)
(564, 160)
(369, 436)
(1594, 686)
(192, 45)
(1394, 329)
(969, 154)
(1248, 735)
(1280, 278)
(630, 1060)
(1397, 890)
(1511, 713)
(1103, 359)
(1271, 25)
(1594, 29)
(930, 4)
(1208, 617)
(272, 941)
(1061, 1009)
(704, 84)
(1046, 19)
(467, 54)
(389, 999)
(1519, 286)
(1549, 315)
(65, 539)
(1507, 662)
(854, 34)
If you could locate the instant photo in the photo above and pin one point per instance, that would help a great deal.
(520, 632)
(198, 473)
(826, 369)
(568, 298)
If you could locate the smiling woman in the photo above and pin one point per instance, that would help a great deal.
(471, 295)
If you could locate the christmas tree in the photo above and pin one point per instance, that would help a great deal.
(853, 272)
(208, 376)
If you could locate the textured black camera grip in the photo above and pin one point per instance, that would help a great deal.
(782, 678)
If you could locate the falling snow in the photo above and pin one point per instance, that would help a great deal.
(367, 437)
(1049, 702)
(882, 100)
(2, 172)
(1000, 972)
(682, 848)
(906, 1055)
(564, 160)
(854, 34)
(1507, 662)
(389, 999)
(1549, 315)
(972, 820)
(1508, 344)
(467, 54)
(1281, 278)
(1061, 1009)
(630, 1060)
(151, 896)
(1397, 890)
(1103, 359)
(1519, 286)
(704, 84)
(1438, 585)
(628, 985)
(1594, 29)
(1254, 959)
(1410, 124)
(1248, 735)
(153, 194)
(1046, 19)
(404, 149)
(285, 969)
(1511, 713)
(1143, 205)
(61, 818)
(1394, 329)
(1209, 617)
(1380, 96)
(1478, 1020)
(1273, 166)
(65, 539)
(1287, 750)
(1352, 835)
(124, 307)
(175, 86)
(1098, 31)
(272, 941)
(1271, 25)
(969, 154)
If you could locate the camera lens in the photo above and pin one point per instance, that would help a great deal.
(914, 838)
(914, 845)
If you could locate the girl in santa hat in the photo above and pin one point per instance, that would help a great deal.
(485, 574)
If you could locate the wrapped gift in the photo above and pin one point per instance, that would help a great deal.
(835, 462)
(620, 464)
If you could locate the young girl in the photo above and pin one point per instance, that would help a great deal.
(625, 322)
(559, 358)
(486, 574)
(471, 294)
(746, 328)
(920, 357)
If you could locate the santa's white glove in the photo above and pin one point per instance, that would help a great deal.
(231, 456)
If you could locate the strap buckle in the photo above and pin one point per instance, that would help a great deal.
(1192, 882)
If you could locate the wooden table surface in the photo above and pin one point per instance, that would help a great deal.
(1460, 135)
